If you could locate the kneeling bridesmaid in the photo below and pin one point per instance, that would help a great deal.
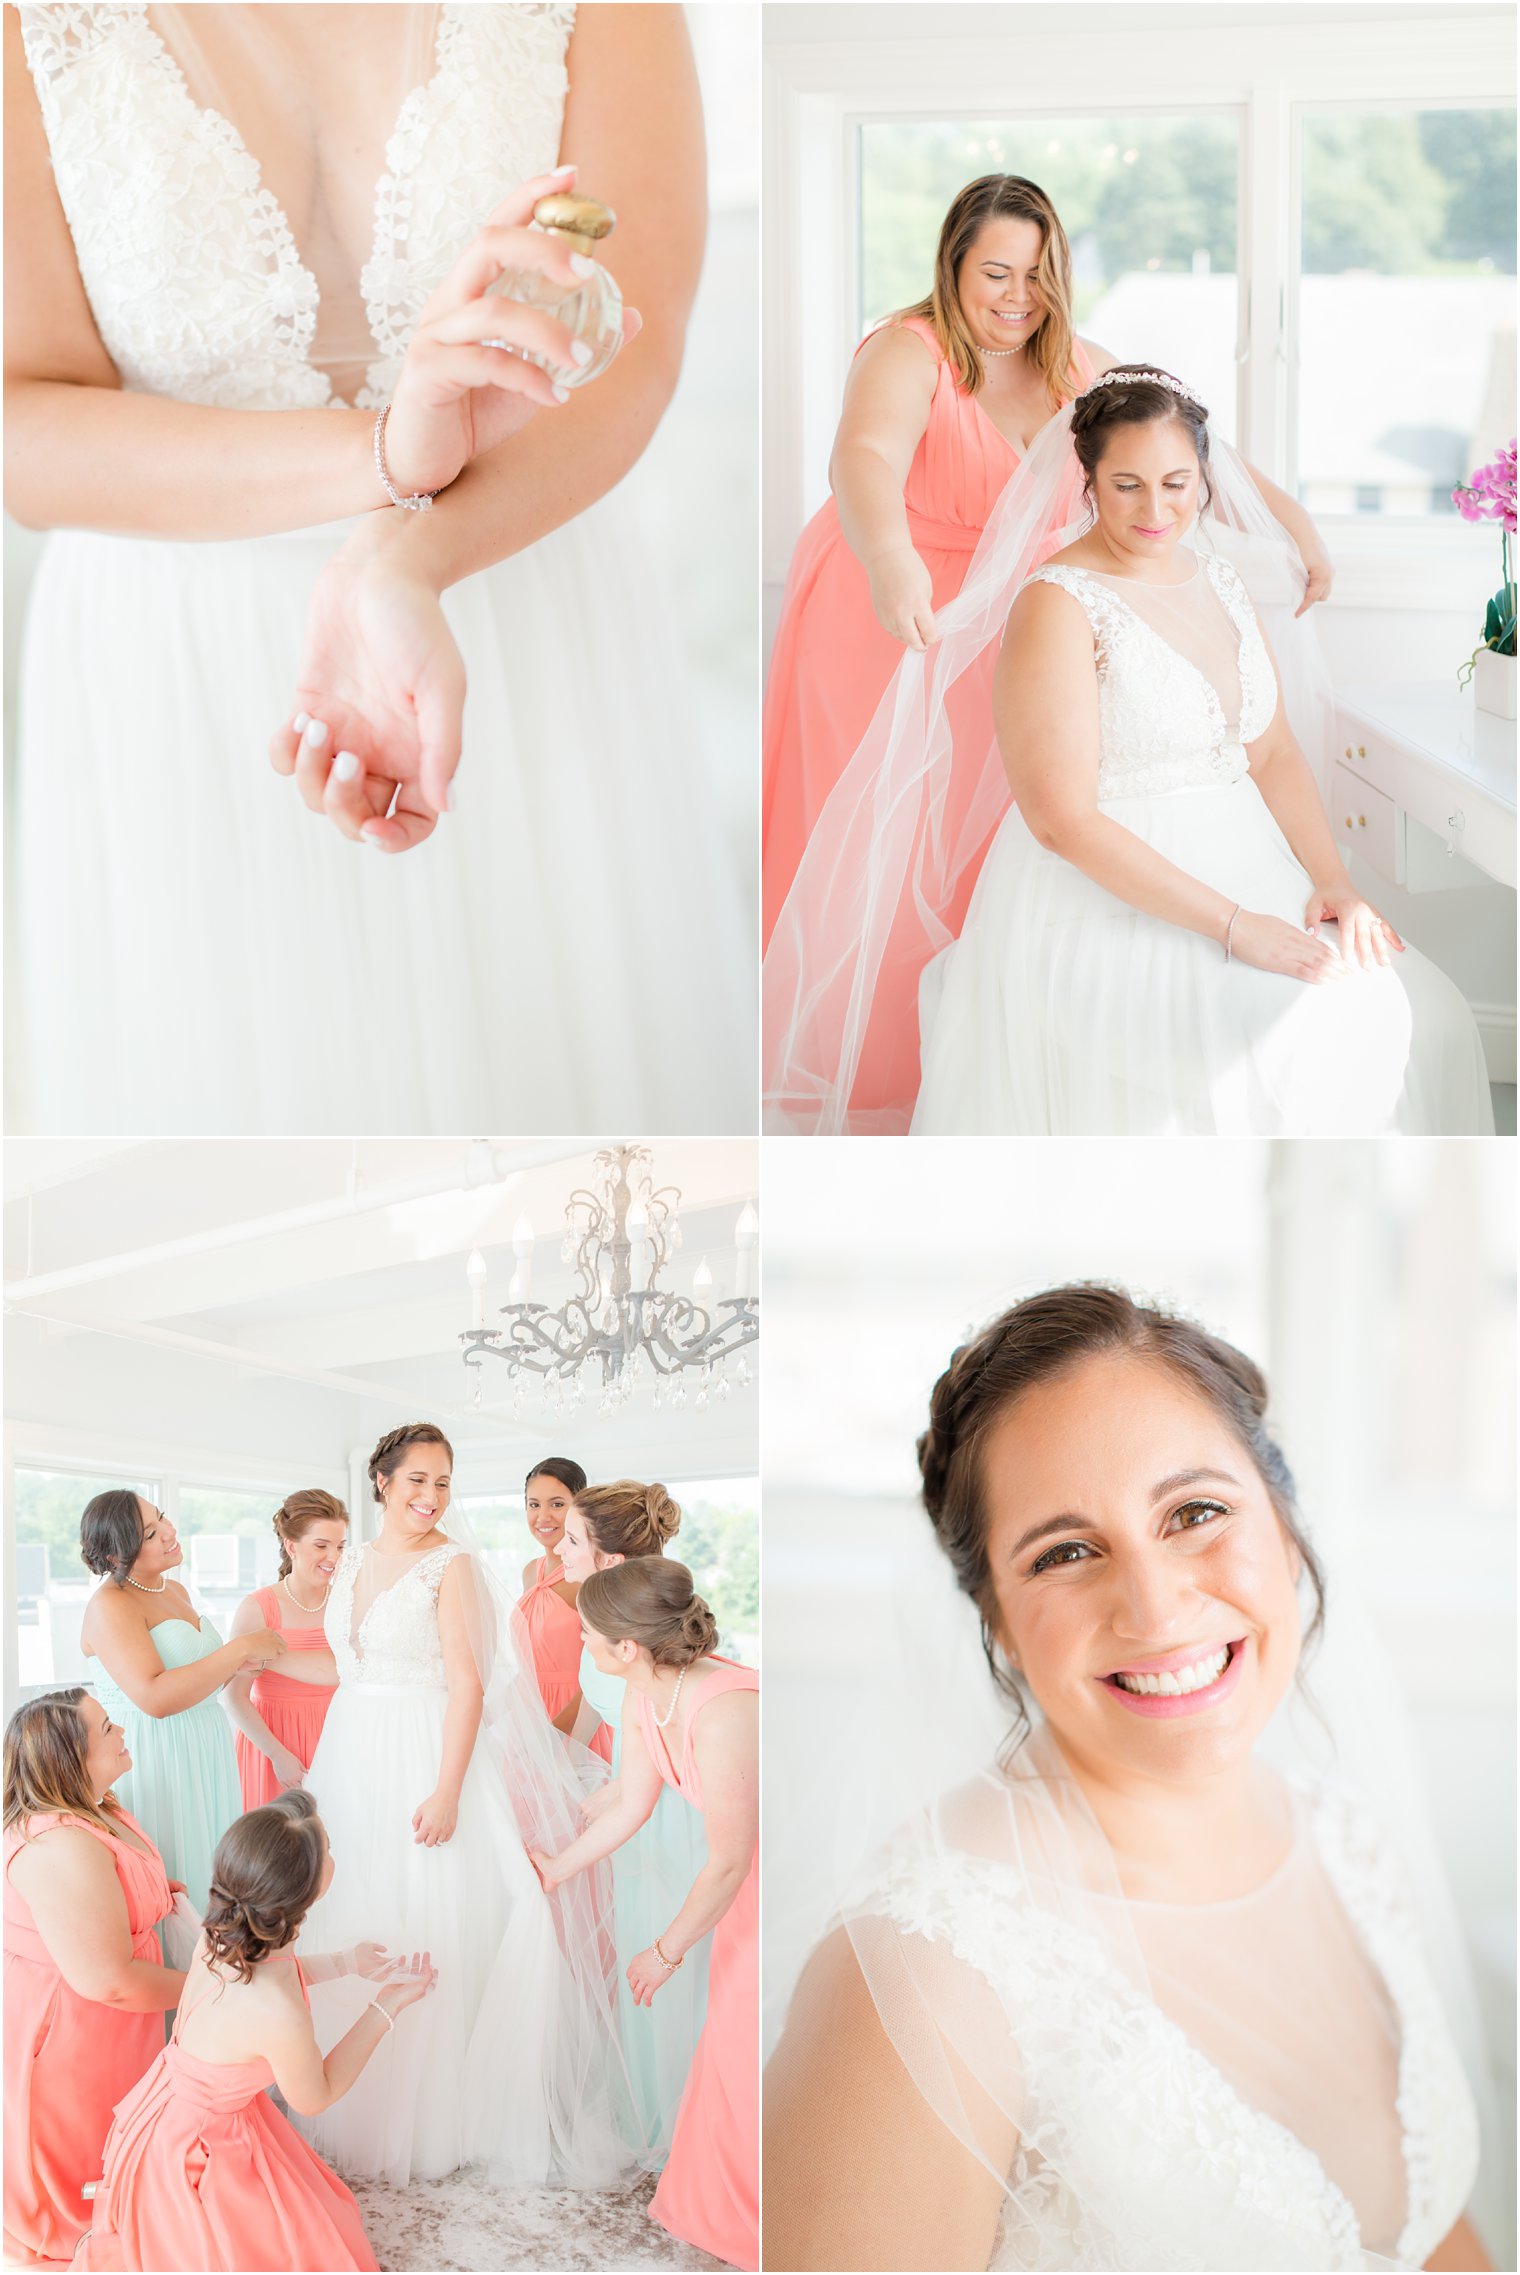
(85, 1985)
(201, 2169)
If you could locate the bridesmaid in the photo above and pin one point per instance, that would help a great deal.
(547, 1602)
(159, 1668)
(85, 1985)
(651, 1873)
(690, 1720)
(201, 2169)
(279, 1717)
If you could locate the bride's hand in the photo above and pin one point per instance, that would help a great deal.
(434, 1820)
(1275, 946)
(379, 707)
(902, 594)
(1364, 934)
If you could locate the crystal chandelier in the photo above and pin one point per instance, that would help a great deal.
(620, 1327)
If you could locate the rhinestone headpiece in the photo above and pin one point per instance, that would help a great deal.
(1120, 377)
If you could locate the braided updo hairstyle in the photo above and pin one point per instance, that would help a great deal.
(628, 1519)
(652, 1601)
(1043, 1337)
(264, 1880)
(386, 1458)
(1142, 398)
(296, 1515)
(111, 1534)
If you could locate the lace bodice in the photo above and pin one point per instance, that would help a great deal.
(396, 1637)
(192, 271)
(1162, 724)
(1134, 2149)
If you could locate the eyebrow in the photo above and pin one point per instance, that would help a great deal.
(1159, 1492)
(1122, 474)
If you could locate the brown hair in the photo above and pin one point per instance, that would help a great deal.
(111, 1534)
(386, 1458)
(1039, 1339)
(627, 1519)
(1136, 395)
(46, 1771)
(264, 1880)
(296, 1515)
(999, 197)
(563, 1471)
(651, 1601)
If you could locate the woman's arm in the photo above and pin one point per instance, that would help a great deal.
(886, 409)
(1460, 2252)
(238, 1706)
(896, 2189)
(71, 1889)
(1045, 702)
(638, 1791)
(311, 2083)
(124, 1646)
(435, 1818)
(727, 1748)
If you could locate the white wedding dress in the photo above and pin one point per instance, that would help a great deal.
(512, 2061)
(196, 951)
(1264, 2083)
(1062, 1010)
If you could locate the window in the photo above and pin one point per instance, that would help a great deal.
(52, 1585)
(229, 1544)
(1406, 322)
(719, 1543)
(1148, 203)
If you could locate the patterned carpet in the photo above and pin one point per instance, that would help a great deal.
(466, 2223)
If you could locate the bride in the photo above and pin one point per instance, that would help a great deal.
(238, 234)
(1130, 1997)
(1164, 937)
(435, 1768)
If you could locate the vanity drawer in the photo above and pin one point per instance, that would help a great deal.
(1367, 823)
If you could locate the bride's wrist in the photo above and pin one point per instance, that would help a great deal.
(393, 542)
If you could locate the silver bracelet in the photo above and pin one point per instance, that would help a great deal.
(1229, 931)
(418, 503)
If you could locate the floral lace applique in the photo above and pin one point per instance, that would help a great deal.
(398, 1636)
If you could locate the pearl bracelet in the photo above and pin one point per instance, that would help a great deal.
(422, 499)
(1229, 931)
(669, 1965)
(384, 2013)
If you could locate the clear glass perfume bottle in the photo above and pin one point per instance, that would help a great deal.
(593, 309)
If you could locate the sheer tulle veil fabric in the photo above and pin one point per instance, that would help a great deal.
(1017, 1982)
(891, 855)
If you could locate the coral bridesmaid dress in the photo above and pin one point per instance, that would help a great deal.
(709, 2192)
(183, 1782)
(202, 2171)
(292, 1712)
(832, 663)
(68, 2060)
(554, 1635)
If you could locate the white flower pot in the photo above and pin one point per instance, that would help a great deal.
(1493, 683)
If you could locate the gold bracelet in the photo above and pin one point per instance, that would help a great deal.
(669, 1965)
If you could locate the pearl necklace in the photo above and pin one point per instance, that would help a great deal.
(147, 1591)
(295, 1599)
(1016, 349)
(661, 1721)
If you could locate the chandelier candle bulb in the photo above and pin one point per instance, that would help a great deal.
(702, 1284)
(475, 1273)
(522, 1249)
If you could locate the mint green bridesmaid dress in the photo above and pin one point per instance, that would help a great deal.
(651, 1879)
(183, 1784)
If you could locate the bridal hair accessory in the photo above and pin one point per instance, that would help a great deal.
(147, 1591)
(422, 499)
(1123, 377)
(1229, 931)
(669, 1965)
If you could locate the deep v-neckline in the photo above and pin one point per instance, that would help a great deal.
(1211, 692)
(290, 265)
(356, 1634)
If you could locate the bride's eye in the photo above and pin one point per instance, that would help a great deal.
(1064, 1552)
(1194, 1514)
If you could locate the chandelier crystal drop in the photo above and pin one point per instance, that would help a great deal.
(621, 1326)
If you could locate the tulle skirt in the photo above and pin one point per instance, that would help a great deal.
(198, 952)
(1061, 1010)
(495, 2067)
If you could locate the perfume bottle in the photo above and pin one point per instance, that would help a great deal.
(593, 309)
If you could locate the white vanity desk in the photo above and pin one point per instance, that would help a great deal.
(1424, 754)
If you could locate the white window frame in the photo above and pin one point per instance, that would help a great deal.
(819, 93)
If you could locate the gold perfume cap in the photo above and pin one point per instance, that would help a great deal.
(581, 221)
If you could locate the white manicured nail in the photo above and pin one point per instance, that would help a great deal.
(582, 264)
(316, 733)
(300, 722)
(580, 354)
(561, 394)
(345, 766)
